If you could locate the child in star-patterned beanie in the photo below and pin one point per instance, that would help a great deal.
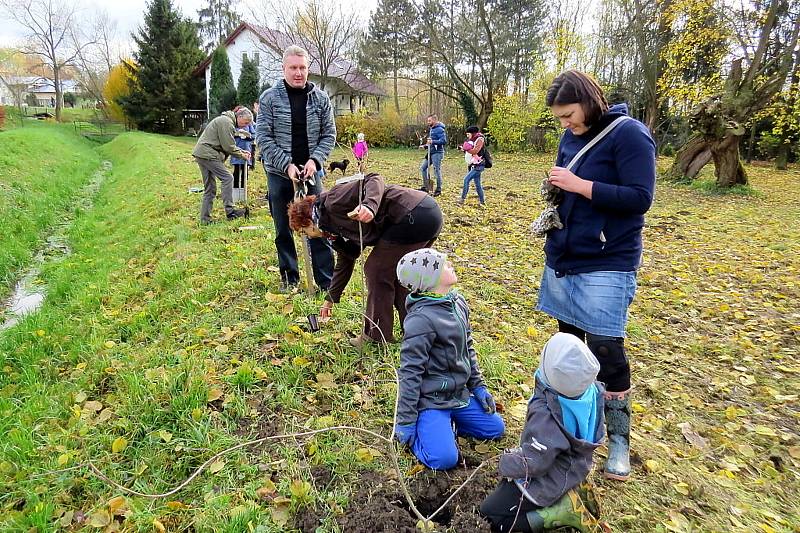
(441, 385)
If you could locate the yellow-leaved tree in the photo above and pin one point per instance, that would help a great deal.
(119, 83)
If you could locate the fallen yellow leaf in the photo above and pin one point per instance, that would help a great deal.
(119, 444)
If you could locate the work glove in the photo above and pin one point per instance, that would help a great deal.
(405, 433)
(485, 399)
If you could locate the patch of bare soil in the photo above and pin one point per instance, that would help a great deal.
(380, 506)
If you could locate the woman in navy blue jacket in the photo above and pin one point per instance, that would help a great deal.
(590, 272)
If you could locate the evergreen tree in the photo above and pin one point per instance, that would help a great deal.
(193, 56)
(222, 94)
(216, 21)
(247, 92)
(167, 54)
(385, 51)
(468, 107)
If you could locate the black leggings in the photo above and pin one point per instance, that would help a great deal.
(615, 370)
(503, 505)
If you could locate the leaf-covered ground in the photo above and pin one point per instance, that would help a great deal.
(163, 343)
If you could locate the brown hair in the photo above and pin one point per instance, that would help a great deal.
(576, 87)
(300, 212)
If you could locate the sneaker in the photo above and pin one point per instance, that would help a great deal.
(482, 205)
(437, 192)
(460, 201)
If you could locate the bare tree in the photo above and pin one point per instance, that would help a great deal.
(328, 34)
(473, 56)
(564, 27)
(48, 24)
(13, 75)
(95, 60)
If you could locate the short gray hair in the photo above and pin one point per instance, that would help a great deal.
(295, 50)
(243, 112)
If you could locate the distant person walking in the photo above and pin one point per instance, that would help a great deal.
(295, 133)
(473, 149)
(212, 148)
(589, 278)
(434, 144)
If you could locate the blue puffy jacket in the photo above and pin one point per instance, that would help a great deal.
(605, 233)
(438, 137)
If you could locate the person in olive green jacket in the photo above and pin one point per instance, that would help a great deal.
(212, 148)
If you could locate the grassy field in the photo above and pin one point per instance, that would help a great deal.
(162, 343)
(42, 169)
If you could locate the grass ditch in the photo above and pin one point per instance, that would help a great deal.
(43, 168)
(162, 343)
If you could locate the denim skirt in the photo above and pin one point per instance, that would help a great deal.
(596, 302)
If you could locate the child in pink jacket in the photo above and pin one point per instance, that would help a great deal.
(360, 151)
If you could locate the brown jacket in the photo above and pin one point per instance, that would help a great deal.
(389, 203)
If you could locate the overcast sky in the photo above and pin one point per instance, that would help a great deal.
(129, 14)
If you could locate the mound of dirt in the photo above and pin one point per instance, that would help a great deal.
(380, 506)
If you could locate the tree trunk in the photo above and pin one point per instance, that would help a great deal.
(751, 143)
(57, 85)
(486, 110)
(651, 113)
(396, 96)
(728, 166)
(782, 159)
(690, 159)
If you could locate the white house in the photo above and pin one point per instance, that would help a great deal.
(45, 90)
(349, 89)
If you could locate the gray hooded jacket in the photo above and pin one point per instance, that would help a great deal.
(550, 460)
(438, 364)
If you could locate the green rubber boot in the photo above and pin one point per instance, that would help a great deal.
(568, 511)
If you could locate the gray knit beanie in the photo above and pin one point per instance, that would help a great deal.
(421, 270)
(567, 365)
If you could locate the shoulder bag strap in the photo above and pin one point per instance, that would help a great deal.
(596, 140)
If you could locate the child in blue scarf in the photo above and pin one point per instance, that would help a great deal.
(564, 425)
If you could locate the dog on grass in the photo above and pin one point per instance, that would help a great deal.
(341, 165)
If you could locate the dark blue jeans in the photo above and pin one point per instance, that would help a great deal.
(281, 194)
(436, 162)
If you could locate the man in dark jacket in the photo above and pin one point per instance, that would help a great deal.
(295, 133)
(212, 148)
(435, 143)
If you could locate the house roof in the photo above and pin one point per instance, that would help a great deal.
(341, 68)
(44, 85)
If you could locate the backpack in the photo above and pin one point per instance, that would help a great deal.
(486, 155)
